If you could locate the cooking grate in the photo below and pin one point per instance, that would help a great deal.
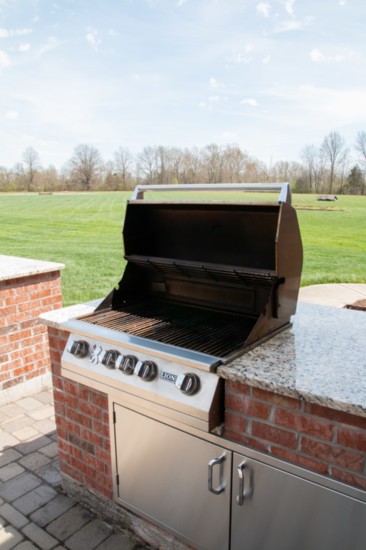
(214, 333)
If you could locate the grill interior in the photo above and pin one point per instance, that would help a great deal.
(198, 329)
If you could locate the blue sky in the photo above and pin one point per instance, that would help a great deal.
(271, 76)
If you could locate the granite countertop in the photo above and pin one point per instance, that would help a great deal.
(12, 267)
(320, 359)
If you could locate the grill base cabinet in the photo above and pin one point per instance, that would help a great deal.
(162, 473)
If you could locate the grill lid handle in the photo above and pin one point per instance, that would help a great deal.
(283, 188)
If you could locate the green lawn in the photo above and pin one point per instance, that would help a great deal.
(83, 231)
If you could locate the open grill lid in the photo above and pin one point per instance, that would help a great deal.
(196, 266)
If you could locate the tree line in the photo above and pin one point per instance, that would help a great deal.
(328, 168)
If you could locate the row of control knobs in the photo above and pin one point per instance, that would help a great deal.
(188, 383)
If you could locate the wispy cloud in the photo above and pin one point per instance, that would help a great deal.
(50, 44)
(8, 33)
(249, 101)
(24, 47)
(319, 57)
(4, 59)
(293, 24)
(12, 115)
(92, 37)
(263, 8)
(214, 83)
(289, 6)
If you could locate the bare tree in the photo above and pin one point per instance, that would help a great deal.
(31, 162)
(122, 164)
(85, 166)
(335, 152)
(148, 164)
(361, 145)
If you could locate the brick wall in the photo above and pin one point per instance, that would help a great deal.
(23, 338)
(326, 441)
(82, 422)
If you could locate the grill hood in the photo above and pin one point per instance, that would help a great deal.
(230, 269)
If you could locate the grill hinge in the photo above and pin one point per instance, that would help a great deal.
(117, 479)
(114, 417)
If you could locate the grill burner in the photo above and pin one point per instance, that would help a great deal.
(215, 333)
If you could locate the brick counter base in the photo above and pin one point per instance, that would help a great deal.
(82, 422)
(326, 441)
(23, 349)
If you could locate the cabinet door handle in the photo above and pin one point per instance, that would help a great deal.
(214, 462)
(240, 469)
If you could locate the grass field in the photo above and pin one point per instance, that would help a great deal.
(83, 231)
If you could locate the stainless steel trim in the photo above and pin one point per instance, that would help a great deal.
(283, 188)
(240, 471)
(214, 462)
(186, 357)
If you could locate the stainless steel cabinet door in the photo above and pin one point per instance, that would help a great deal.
(274, 510)
(164, 475)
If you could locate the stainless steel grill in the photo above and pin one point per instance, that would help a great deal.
(214, 333)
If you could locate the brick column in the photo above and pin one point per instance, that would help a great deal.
(82, 422)
(28, 288)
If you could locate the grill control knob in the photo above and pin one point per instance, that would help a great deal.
(189, 383)
(109, 358)
(147, 370)
(126, 363)
(79, 348)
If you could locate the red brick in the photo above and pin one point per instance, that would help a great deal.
(236, 387)
(235, 422)
(305, 462)
(340, 417)
(81, 444)
(306, 424)
(355, 439)
(349, 478)
(12, 382)
(78, 417)
(90, 410)
(100, 400)
(102, 429)
(78, 390)
(274, 434)
(94, 438)
(280, 400)
(70, 449)
(103, 456)
(244, 404)
(246, 440)
(333, 454)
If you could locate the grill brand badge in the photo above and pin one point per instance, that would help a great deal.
(168, 377)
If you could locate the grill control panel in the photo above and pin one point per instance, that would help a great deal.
(127, 364)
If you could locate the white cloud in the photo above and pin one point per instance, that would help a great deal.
(263, 8)
(4, 60)
(266, 59)
(5, 33)
(332, 107)
(289, 6)
(12, 115)
(180, 3)
(290, 25)
(92, 38)
(249, 101)
(24, 47)
(50, 44)
(214, 83)
(319, 57)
